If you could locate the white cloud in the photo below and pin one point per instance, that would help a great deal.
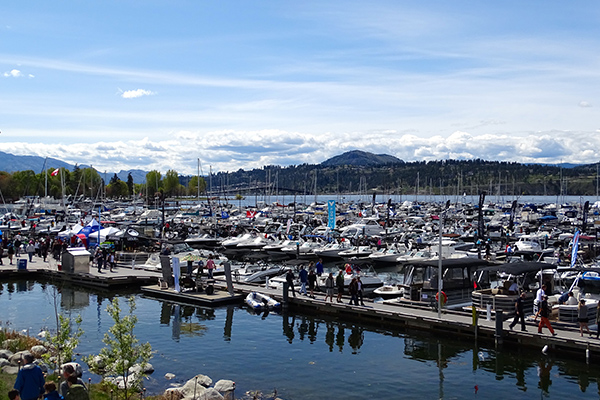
(230, 150)
(584, 104)
(15, 73)
(132, 94)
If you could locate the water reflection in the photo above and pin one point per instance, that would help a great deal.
(521, 369)
(181, 319)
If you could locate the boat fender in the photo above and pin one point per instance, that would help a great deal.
(444, 298)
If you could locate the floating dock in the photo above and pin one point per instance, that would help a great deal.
(400, 315)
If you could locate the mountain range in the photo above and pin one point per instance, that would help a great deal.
(12, 163)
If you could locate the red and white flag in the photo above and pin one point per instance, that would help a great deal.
(55, 172)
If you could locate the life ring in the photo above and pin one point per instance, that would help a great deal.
(444, 298)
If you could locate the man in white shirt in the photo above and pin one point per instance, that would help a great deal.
(538, 298)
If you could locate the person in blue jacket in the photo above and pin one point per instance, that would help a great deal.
(30, 380)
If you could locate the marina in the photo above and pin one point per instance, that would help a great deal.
(250, 256)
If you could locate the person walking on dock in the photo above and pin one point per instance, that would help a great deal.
(359, 286)
(312, 280)
(544, 313)
(329, 285)
(319, 267)
(289, 278)
(210, 266)
(10, 250)
(541, 292)
(519, 313)
(582, 317)
(303, 274)
(339, 282)
(30, 250)
(353, 290)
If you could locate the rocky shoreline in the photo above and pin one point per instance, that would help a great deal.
(200, 387)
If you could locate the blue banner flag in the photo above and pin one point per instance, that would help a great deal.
(331, 214)
(575, 248)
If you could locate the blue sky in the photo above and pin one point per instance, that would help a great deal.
(241, 84)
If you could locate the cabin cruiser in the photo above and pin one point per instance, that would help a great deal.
(356, 252)
(332, 250)
(415, 255)
(387, 255)
(364, 227)
(256, 273)
(204, 241)
(492, 284)
(421, 280)
(369, 278)
(307, 248)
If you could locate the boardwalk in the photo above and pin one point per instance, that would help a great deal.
(568, 338)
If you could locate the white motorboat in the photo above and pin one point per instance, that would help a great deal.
(275, 247)
(332, 250)
(256, 273)
(387, 255)
(389, 291)
(232, 242)
(204, 241)
(259, 302)
(414, 256)
(369, 278)
(356, 251)
(305, 249)
(255, 243)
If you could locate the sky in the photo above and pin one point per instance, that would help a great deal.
(242, 84)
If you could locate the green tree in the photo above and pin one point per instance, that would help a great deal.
(117, 189)
(66, 337)
(193, 186)
(65, 340)
(171, 182)
(130, 184)
(121, 352)
(153, 182)
(239, 198)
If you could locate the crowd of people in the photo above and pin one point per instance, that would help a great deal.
(308, 280)
(31, 383)
(19, 245)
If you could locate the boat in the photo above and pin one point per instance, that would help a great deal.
(260, 302)
(204, 241)
(368, 276)
(387, 255)
(389, 291)
(365, 227)
(332, 250)
(492, 284)
(356, 251)
(421, 280)
(256, 273)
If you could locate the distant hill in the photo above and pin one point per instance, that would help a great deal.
(12, 163)
(361, 159)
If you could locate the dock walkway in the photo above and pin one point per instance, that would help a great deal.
(403, 316)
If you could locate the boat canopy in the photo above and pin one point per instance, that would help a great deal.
(453, 263)
(518, 268)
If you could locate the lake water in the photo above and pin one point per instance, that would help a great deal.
(306, 356)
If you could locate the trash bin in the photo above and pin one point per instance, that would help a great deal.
(22, 264)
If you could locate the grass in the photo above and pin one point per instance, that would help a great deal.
(98, 391)
(17, 341)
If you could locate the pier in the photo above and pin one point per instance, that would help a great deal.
(398, 315)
